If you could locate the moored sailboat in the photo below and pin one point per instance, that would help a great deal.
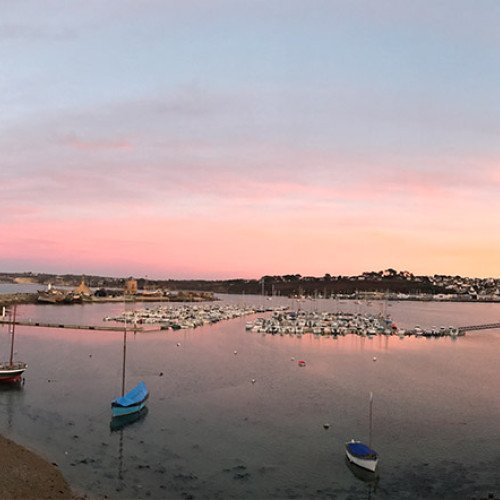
(12, 371)
(361, 454)
(134, 401)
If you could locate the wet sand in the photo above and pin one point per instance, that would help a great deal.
(24, 475)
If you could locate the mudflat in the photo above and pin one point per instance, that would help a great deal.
(25, 476)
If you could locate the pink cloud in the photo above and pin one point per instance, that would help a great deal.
(229, 246)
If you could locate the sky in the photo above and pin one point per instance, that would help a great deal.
(218, 139)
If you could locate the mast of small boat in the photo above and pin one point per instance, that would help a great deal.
(11, 359)
(124, 351)
(370, 419)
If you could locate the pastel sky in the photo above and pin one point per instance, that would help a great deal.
(240, 138)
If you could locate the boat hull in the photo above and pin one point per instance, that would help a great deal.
(121, 411)
(361, 455)
(118, 423)
(12, 372)
(133, 402)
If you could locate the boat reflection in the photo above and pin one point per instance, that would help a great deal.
(10, 395)
(118, 423)
(368, 477)
(13, 386)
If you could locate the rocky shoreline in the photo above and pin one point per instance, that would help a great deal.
(7, 299)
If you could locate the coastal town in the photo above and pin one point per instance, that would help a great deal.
(388, 284)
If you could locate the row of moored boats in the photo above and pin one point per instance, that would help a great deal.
(183, 317)
(282, 321)
(328, 324)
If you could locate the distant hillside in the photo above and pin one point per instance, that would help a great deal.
(288, 285)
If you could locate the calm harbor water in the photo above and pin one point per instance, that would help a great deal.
(210, 433)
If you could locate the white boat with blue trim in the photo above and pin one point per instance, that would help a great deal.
(360, 454)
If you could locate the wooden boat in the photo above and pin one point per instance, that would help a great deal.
(12, 371)
(132, 402)
(361, 454)
(135, 400)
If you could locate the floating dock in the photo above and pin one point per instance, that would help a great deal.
(488, 326)
(74, 327)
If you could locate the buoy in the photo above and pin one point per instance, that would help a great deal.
(326, 426)
(293, 358)
(235, 352)
(302, 363)
(161, 374)
(178, 344)
(253, 381)
(374, 358)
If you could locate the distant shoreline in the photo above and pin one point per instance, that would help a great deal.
(8, 299)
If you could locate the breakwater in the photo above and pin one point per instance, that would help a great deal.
(57, 297)
(7, 299)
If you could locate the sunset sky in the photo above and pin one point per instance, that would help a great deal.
(242, 138)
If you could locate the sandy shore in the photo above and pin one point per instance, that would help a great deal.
(25, 476)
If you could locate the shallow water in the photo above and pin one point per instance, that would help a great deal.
(212, 433)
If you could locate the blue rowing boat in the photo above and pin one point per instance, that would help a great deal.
(132, 402)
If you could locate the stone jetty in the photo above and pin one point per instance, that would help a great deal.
(65, 297)
(7, 299)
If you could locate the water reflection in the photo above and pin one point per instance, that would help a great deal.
(10, 393)
(362, 474)
(370, 479)
(119, 423)
(12, 386)
(208, 418)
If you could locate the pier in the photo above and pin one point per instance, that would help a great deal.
(489, 326)
(74, 327)
(281, 321)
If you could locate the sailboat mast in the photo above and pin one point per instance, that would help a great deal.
(11, 359)
(370, 428)
(124, 353)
